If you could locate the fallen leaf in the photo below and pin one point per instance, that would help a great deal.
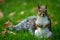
(11, 14)
(4, 32)
(56, 23)
(1, 14)
(9, 23)
(2, 1)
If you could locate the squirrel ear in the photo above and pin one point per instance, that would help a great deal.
(38, 7)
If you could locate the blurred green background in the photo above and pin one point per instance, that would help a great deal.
(17, 10)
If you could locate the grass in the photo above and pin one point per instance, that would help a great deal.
(27, 7)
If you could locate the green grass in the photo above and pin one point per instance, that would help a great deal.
(18, 5)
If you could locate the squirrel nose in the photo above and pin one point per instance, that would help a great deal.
(43, 14)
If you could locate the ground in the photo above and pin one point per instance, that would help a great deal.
(17, 10)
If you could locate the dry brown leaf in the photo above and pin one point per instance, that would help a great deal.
(56, 23)
(2, 1)
(9, 24)
(11, 14)
(4, 32)
(1, 14)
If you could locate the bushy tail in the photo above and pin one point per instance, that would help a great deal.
(22, 25)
